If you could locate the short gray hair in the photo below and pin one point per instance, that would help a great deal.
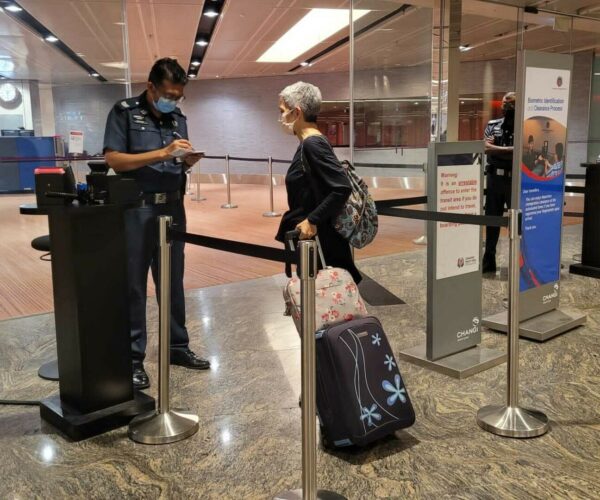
(304, 95)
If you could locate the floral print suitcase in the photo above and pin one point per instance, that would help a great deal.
(337, 298)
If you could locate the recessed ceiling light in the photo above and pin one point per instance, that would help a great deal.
(195, 63)
(120, 23)
(211, 13)
(191, 75)
(465, 48)
(303, 63)
(79, 54)
(312, 29)
(115, 64)
(51, 39)
(416, 103)
(94, 75)
(202, 43)
(13, 8)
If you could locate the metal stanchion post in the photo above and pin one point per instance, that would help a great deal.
(228, 204)
(307, 272)
(422, 240)
(511, 420)
(271, 212)
(164, 425)
(198, 197)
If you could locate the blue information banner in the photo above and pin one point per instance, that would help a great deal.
(543, 175)
(541, 204)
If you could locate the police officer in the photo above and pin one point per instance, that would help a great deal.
(144, 140)
(499, 137)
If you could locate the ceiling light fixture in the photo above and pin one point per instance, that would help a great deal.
(211, 13)
(13, 8)
(195, 63)
(315, 27)
(303, 63)
(94, 75)
(51, 38)
(465, 48)
(202, 43)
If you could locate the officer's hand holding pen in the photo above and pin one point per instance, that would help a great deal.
(177, 145)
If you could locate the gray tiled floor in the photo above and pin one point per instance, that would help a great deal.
(249, 442)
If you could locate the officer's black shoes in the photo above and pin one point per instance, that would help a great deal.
(187, 358)
(140, 378)
(489, 265)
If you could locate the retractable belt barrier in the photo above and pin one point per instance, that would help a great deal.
(508, 420)
(307, 272)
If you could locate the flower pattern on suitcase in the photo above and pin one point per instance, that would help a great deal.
(337, 298)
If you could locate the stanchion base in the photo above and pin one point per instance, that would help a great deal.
(512, 422)
(49, 371)
(460, 365)
(297, 495)
(540, 328)
(163, 428)
(229, 205)
(202, 198)
(272, 214)
(421, 240)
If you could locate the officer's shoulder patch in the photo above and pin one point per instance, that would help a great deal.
(130, 103)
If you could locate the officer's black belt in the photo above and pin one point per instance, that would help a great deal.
(238, 247)
(161, 198)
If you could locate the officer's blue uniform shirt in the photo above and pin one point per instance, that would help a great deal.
(502, 137)
(132, 128)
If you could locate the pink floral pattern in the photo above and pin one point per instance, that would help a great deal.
(337, 298)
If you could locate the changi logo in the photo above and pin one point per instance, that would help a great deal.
(465, 334)
(559, 81)
(461, 262)
(554, 295)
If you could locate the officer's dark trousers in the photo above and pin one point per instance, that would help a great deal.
(142, 245)
(498, 196)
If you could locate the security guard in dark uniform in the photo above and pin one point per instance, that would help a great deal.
(146, 140)
(499, 138)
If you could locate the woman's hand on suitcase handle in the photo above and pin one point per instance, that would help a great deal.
(307, 230)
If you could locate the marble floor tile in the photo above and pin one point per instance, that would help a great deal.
(248, 445)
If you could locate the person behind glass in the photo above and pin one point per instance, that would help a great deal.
(499, 138)
(144, 138)
(318, 189)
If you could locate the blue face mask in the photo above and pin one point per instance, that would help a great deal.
(164, 105)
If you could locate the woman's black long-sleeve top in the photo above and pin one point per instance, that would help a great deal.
(318, 191)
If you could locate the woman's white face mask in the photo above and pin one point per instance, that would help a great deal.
(287, 127)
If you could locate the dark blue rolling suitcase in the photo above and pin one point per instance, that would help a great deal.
(360, 393)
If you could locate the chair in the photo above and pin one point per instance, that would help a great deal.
(48, 371)
(42, 243)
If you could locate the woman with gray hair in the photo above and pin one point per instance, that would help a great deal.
(316, 183)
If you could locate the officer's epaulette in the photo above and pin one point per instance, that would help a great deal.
(131, 103)
(179, 112)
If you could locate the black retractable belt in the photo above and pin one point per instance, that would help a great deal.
(477, 220)
(238, 247)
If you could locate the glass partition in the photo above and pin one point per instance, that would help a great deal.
(60, 76)
(392, 87)
(394, 81)
(488, 64)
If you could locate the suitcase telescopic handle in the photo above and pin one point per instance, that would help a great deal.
(290, 237)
